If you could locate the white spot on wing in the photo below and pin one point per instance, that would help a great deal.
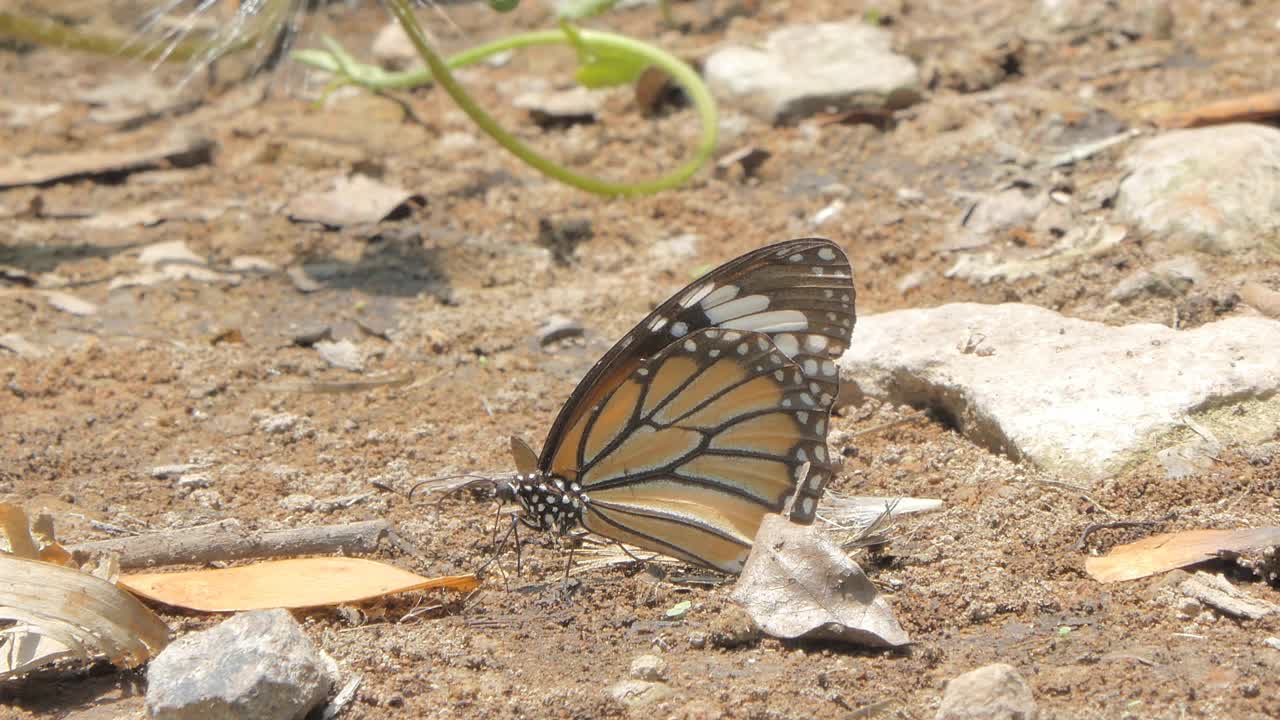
(807, 505)
(775, 321)
(680, 329)
(796, 258)
(810, 366)
(827, 254)
(742, 348)
(696, 294)
(828, 368)
(787, 343)
(737, 308)
(732, 336)
(815, 343)
(690, 345)
(721, 294)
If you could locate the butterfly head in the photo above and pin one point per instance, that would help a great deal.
(546, 503)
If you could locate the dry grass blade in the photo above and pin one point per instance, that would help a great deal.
(856, 521)
(86, 616)
(596, 554)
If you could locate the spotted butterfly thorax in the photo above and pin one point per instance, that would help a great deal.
(709, 414)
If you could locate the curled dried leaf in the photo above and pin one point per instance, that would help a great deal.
(59, 612)
(797, 583)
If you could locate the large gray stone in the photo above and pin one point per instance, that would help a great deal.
(1068, 395)
(256, 665)
(1216, 188)
(992, 692)
(804, 69)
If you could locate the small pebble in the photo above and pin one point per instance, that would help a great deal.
(649, 667)
(558, 327)
(276, 424)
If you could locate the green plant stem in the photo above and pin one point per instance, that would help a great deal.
(438, 70)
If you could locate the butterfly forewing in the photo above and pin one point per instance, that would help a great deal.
(798, 293)
(688, 453)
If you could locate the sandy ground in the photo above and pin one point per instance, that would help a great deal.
(453, 289)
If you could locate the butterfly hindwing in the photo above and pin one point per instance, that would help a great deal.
(688, 453)
(799, 294)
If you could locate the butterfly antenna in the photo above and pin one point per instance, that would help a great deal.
(472, 480)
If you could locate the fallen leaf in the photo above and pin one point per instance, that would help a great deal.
(39, 169)
(352, 200)
(797, 583)
(294, 583)
(81, 616)
(51, 612)
(1170, 551)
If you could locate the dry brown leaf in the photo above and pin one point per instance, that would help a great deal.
(294, 583)
(797, 583)
(352, 200)
(1170, 551)
(53, 612)
(39, 169)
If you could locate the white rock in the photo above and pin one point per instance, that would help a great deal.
(1215, 189)
(805, 69)
(1170, 277)
(342, 354)
(393, 50)
(22, 347)
(255, 665)
(253, 264)
(164, 472)
(173, 251)
(1065, 394)
(649, 667)
(276, 424)
(68, 303)
(992, 692)
(298, 502)
(638, 693)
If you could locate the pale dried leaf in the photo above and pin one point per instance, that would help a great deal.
(1170, 551)
(353, 200)
(294, 583)
(88, 616)
(39, 169)
(797, 583)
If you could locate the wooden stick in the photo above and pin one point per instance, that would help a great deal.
(1251, 108)
(229, 540)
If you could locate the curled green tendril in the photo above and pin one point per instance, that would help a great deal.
(612, 54)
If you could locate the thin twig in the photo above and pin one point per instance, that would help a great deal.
(1114, 525)
(229, 540)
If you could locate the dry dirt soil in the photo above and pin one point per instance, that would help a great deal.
(452, 290)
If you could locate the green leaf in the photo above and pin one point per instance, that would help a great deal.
(609, 72)
(503, 5)
(679, 609)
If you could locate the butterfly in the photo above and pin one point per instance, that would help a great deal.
(709, 414)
